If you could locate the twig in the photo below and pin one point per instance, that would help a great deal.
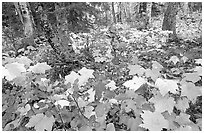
(78, 106)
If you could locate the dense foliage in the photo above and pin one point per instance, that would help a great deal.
(110, 78)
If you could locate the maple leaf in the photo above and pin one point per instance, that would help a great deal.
(184, 59)
(111, 85)
(153, 73)
(102, 109)
(166, 85)
(82, 102)
(198, 70)
(71, 77)
(83, 76)
(160, 103)
(102, 123)
(133, 123)
(13, 70)
(198, 61)
(171, 119)
(113, 101)
(100, 59)
(24, 60)
(58, 97)
(194, 77)
(89, 111)
(182, 104)
(92, 94)
(85, 128)
(62, 103)
(183, 119)
(130, 94)
(156, 65)
(134, 60)
(110, 127)
(174, 59)
(184, 128)
(190, 90)
(136, 69)
(24, 110)
(96, 53)
(40, 68)
(41, 122)
(135, 83)
(6, 74)
(154, 121)
(88, 73)
(107, 94)
(129, 105)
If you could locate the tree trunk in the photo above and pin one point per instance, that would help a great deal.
(142, 7)
(113, 13)
(27, 19)
(185, 8)
(169, 22)
(128, 13)
(120, 12)
(149, 12)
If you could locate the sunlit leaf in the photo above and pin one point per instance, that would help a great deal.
(40, 68)
(41, 122)
(154, 121)
(135, 83)
(174, 59)
(166, 85)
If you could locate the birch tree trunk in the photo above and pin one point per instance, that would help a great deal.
(113, 12)
(149, 12)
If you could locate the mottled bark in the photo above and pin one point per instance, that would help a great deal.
(27, 19)
(169, 22)
(149, 12)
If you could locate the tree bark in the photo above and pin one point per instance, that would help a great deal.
(169, 22)
(113, 13)
(185, 8)
(27, 19)
(149, 12)
(120, 12)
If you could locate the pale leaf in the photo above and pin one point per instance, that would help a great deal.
(135, 83)
(40, 68)
(166, 85)
(154, 121)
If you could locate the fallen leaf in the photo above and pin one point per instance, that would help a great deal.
(110, 127)
(154, 121)
(182, 104)
(89, 111)
(174, 59)
(41, 122)
(166, 85)
(190, 90)
(194, 77)
(39, 68)
(156, 65)
(133, 123)
(135, 83)
(62, 103)
(111, 85)
(136, 69)
(13, 70)
(160, 103)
